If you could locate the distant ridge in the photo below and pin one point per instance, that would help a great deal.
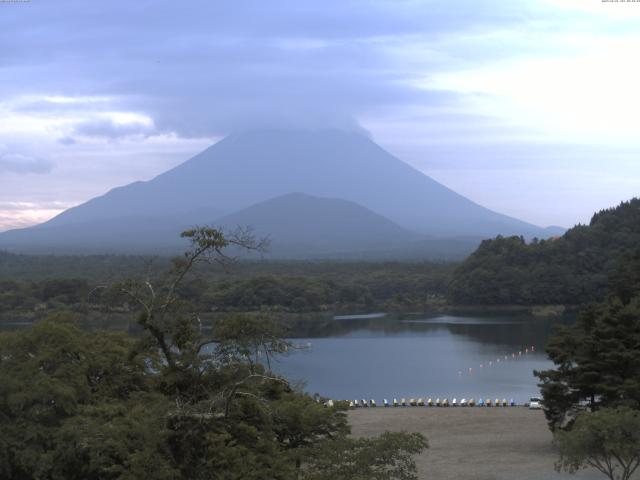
(299, 223)
(298, 226)
(246, 169)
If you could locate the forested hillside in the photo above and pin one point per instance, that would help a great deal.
(31, 287)
(572, 269)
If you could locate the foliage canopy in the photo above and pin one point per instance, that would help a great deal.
(176, 403)
(569, 270)
(607, 440)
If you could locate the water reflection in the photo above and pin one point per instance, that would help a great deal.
(444, 356)
(379, 356)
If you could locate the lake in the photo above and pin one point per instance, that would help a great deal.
(373, 356)
(379, 356)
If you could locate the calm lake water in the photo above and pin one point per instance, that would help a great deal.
(375, 356)
(444, 356)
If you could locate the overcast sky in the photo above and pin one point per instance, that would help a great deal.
(527, 107)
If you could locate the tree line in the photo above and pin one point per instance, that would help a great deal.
(570, 270)
(361, 287)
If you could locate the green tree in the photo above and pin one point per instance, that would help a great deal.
(607, 440)
(114, 440)
(300, 422)
(52, 374)
(625, 280)
(249, 338)
(387, 457)
(569, 270)
(597, 361)
(176, 403)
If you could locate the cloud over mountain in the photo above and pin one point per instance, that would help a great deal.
(353, 196)
(23, 164)
(104, 90)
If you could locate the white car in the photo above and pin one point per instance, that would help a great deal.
(535, 403)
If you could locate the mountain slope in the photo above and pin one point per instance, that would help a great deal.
(247, 168)
(303, 226)
(298, 226)
(297, 223)
(124, 234)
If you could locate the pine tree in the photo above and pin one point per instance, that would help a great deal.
(597, 361)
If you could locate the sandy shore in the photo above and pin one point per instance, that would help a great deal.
(473, 443)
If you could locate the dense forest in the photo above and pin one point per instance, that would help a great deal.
(175, 402)
(571, 270)
(32, 287)
(598, 357)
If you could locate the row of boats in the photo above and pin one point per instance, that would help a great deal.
(412, 402)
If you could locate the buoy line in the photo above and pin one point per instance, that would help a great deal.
(501, 359)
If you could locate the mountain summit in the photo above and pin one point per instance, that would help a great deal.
(249, 168)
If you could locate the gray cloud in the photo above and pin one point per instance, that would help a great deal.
(208, 68)
(22, 164)
(200, 69)
(67, 141)
(108, 129)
